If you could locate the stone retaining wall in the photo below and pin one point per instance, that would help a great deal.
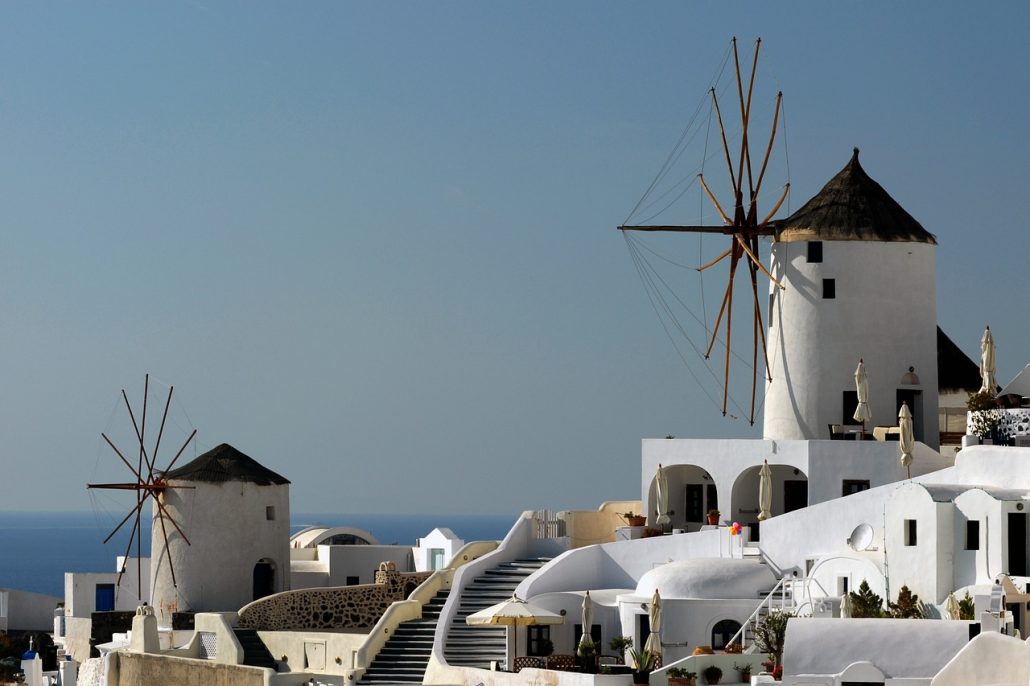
(327, 609)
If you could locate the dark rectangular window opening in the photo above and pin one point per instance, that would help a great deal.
(829, 289)
(537, 635)
(854, 486)
(910, 532)
(353, 581)
(849, 407)
(815, 251)
(973, 534)
(270, 513)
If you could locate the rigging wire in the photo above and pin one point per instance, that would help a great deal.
(651, 298)
(677, 148)
(648, 274)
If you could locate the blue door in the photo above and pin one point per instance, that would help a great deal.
(105, 598)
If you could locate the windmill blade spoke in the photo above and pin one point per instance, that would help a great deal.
(718, 320)
(711, 196)
(772, 138)
(164, 536)
(729, 330)
(761, 331)
(161, 429)
(135, 426)
(725, 144)
(716, 261)
(754, 258)
(164, 512)
(143, 424)
(756, 330)
(119, 454)
(776, 207)
(179, 454)
(122, 523)
(128, 548)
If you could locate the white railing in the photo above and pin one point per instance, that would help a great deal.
(782, 598)
(546, 524)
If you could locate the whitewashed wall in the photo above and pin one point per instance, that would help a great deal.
(885, 311)
(229, 533)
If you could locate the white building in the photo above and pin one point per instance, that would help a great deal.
(860, 283)
(436, 549)
(235, 514)
(341, 556)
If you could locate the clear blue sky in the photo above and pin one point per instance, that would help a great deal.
(373, 244)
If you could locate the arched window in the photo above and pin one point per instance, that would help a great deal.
(722, 632)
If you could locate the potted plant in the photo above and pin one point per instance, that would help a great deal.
(642, 662)
(984, 416)
(681, 677)
(713, 517)
(587, 652)
(770, 634)
(733, 649)
(703, 650)
(634, 519)
(619, 645)
(544, 647)
(745, 671)
(712, 674)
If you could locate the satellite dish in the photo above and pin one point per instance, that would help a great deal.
(861, 538)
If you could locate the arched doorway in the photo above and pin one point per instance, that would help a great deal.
(692, 493)
(264, 578)
(789, 493)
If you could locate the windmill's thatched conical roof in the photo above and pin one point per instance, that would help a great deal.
(852, 207)
(225, 463)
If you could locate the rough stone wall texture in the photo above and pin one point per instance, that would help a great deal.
(343, 607)
(136, 669)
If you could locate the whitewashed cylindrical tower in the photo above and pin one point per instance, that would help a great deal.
(236, 515)
(860, 284)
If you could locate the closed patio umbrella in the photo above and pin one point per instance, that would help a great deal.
(661, 487)
(654, 616)
(764, 492)
(987, 354)
(845, 606)
(513, 612)
(862, 412)
(951, 606)
(906, 442)
(588, 620)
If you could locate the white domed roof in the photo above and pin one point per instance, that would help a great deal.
(707, 578)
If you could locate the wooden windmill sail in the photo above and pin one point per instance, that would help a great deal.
(148, 483)
(741, 224)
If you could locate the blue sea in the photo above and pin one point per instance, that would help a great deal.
(37, 548)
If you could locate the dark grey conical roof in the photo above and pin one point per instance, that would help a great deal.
(225, 463)
(852, 207)
(955, 370)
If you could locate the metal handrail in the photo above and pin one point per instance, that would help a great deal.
(739, 637)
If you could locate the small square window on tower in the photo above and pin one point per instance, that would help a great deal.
(270, 513)
(815, 251)
(910, 532)
(829, 289)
